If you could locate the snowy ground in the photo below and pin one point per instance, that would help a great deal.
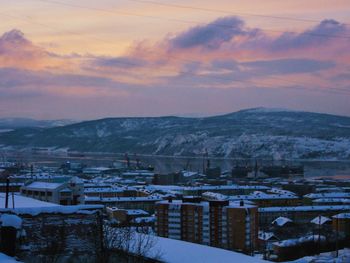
(329, 257)
(177, 251)
(7, 259)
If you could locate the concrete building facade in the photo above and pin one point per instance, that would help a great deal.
(70, 192)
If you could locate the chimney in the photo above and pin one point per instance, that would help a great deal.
(241, 203)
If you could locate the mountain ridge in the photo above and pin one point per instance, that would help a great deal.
(251, 133)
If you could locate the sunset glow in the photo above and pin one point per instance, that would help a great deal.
(88, 59)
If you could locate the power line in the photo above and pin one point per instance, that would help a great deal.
(27, 20)
(181, 20)
(128, 63)
(229, 12)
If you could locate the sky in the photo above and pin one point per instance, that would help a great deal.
(65, 59)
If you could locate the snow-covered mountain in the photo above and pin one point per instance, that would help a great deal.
(252, 133)
(15, 123)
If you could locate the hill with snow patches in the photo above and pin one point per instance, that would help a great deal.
(252, 133)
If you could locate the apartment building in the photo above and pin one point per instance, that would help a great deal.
(218, 223)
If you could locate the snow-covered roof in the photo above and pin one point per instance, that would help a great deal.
(305, 208)
(328, 195)
(227, 187)
(69, 209)
(281, 221)
(342, 216)
(11, 220)
(23, 202)
(206, 187)
(95, 169)
(122, 199)
(215, 196)
(266, 235)
(332, 200)
(132, 212)
(281, 191)
(162, 188)
(189, 173)
(103, 190)
(205, 204)
(257, 195)
(320, 220)
(43, 185)
(76, 180)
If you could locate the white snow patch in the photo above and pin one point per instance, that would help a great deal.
(11, 220)
(6, 259)
(281, 221)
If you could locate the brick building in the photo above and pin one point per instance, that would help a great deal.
(218, 223)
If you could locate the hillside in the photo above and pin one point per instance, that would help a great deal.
(253, 133)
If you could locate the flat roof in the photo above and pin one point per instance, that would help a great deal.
(23, 201)
(43, 185)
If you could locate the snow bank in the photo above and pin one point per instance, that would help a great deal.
(11, 220)
(177, 251)
(6, 259)
(328, 257)
(299, 241)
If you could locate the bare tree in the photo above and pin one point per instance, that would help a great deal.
(127, 242)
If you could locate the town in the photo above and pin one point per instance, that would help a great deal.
(182, 131)
(127, 211)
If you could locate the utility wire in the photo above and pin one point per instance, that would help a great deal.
(228, 12)
(30, 21)
(180, 20)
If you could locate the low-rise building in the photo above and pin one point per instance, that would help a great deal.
(146, 203)
(299, 214)
(70, 192)
(125, 216)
